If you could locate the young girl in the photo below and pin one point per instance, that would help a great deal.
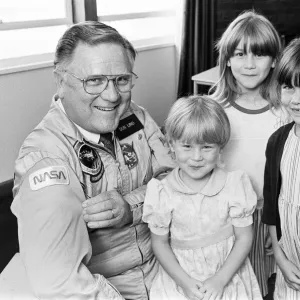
(282, 180)
(200, 216)
(248, 51)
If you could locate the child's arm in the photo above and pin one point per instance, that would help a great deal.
(290, 272)
(214, 286)
(166, 257)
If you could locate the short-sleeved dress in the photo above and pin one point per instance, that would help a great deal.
(200, 229)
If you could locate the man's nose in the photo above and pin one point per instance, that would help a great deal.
(111, 92)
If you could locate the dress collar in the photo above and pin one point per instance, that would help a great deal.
(214, 185)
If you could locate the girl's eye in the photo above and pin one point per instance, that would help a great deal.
(207, 147)
(286, 87)
(186, 146)
(239, 54)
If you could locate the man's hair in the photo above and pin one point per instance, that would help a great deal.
(257, 33)
(90, 33)
(198, 119)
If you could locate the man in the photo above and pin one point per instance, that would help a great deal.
(95, 144)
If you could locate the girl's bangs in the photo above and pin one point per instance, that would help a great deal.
(260, 42)
(192, 133)
(206, 132)
(289, 75)
(288, 69)
(255, 39)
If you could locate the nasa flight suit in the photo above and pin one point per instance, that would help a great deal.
(56, 170)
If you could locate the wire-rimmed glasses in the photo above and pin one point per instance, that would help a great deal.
(96, 84)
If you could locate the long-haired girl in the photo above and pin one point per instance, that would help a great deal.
(248, 51)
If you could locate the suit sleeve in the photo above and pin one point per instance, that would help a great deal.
(161, 154)
(54, 242)
(161, 162)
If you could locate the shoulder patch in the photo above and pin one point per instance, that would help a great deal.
(48, 176)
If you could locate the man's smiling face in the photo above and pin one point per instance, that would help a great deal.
(96, 113)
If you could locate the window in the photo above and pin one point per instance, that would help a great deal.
(31, 29)
(144, 23)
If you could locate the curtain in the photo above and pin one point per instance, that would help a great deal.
(198, 37)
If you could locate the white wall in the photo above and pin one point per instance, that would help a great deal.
(25, 98)
(156, 87)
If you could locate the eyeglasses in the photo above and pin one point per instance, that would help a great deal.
(95, 85)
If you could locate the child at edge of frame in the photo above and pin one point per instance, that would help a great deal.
(281, 211)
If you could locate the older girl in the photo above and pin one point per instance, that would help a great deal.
(248, 51)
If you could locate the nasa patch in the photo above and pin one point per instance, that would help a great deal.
(90, 162)
(48, 176)
(130, 157)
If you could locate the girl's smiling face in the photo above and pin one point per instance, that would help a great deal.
(249, 69)
(196, 161)
(290, 98)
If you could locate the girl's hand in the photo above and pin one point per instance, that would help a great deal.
(289, 271)
(291, 274)
(212, 288)
(192, 290)
(268, 245)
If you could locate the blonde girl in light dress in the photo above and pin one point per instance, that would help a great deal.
(200, 215)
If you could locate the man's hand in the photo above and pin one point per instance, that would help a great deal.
(107, 209)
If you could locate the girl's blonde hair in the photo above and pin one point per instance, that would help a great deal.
(260, 37)
(198, 119)
(287, 71)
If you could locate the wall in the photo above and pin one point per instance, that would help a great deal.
(284, 14)
(25, 98)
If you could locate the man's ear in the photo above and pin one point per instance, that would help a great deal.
(228, 64)
(59, 80)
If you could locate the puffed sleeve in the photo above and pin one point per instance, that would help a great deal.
(157, 211)
(242, 201)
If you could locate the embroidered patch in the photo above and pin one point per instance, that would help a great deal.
(48, 176)
(128, 126)
(130, 156)
(90, 162)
